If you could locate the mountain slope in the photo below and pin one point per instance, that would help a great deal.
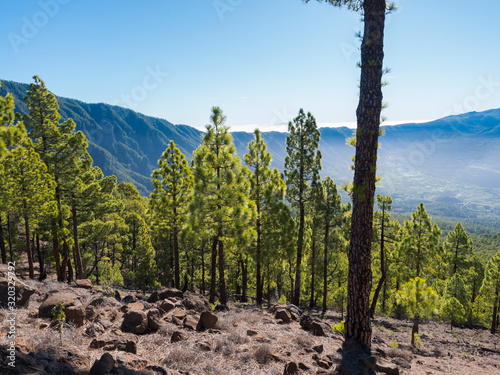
(451, 164)
(121, 141)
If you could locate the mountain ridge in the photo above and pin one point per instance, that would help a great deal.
(453, 159)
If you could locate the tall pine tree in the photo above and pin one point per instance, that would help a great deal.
(173, 182)
(61, 149)
(302, 166)
(220, 195)
(267, 188)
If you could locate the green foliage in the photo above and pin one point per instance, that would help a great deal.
(485, 245)
(302, 166)
(220, 201)
(110, 275)
(173, 183)
(490, 290)
(419, 249)
(453, 311)
(303, 160)
(458, 249)
(419, 300)
(267, 188)
(146, 272)
(339, 327)
(417, 297)
(417, 339)
(59, 316)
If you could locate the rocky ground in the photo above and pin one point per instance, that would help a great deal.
(166, 332)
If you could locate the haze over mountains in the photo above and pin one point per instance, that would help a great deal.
(451, 164)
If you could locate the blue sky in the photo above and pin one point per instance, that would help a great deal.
(259, 60)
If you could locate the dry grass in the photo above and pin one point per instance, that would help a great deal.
(182, 356)
(261, 354)
(399, 353)
(304, 341)
(233, 351)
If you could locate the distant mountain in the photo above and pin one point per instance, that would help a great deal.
(451, 164)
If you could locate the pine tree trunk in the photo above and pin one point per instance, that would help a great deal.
(70, 268)
(414, 329)
(222, 279)
(382, 268)
(191, 285)
(237, 276)
(2, 243)
(384, 296)
(258, 275)
(325, 267)
(368, 117)
(268, 287)
(244, 280)
(96, 265)
(65, 253)
(313, 271)
(203, 288)
(177, 272)
(495, 311)
(11, 251)
(55, 249)
(296, 292)
(290, 275)
(213, 270)
(41, 260)
(78, 255)
(28, 244)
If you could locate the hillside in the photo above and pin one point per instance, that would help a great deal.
(125, 332)
(451, 164)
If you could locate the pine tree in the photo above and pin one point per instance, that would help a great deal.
(421, 242)
(490, 290)
(332, 214)
(458, 249)
(419, 300)
(267, 188)
(453, 311)
(89, 194)
(12, 135)
(173, 182)
(220, 195)
(33, 189)
(146, 272)
(133, 212)
(457, 288)
(368, 118)
(385, 232)
(302, 166)
(61, 149)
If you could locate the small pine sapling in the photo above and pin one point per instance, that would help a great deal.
(453, 311)
(419, 300)
(59, 316)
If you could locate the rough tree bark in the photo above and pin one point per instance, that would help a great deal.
(2, 243)
(368, 121)
(383, 268)
(78, 255)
